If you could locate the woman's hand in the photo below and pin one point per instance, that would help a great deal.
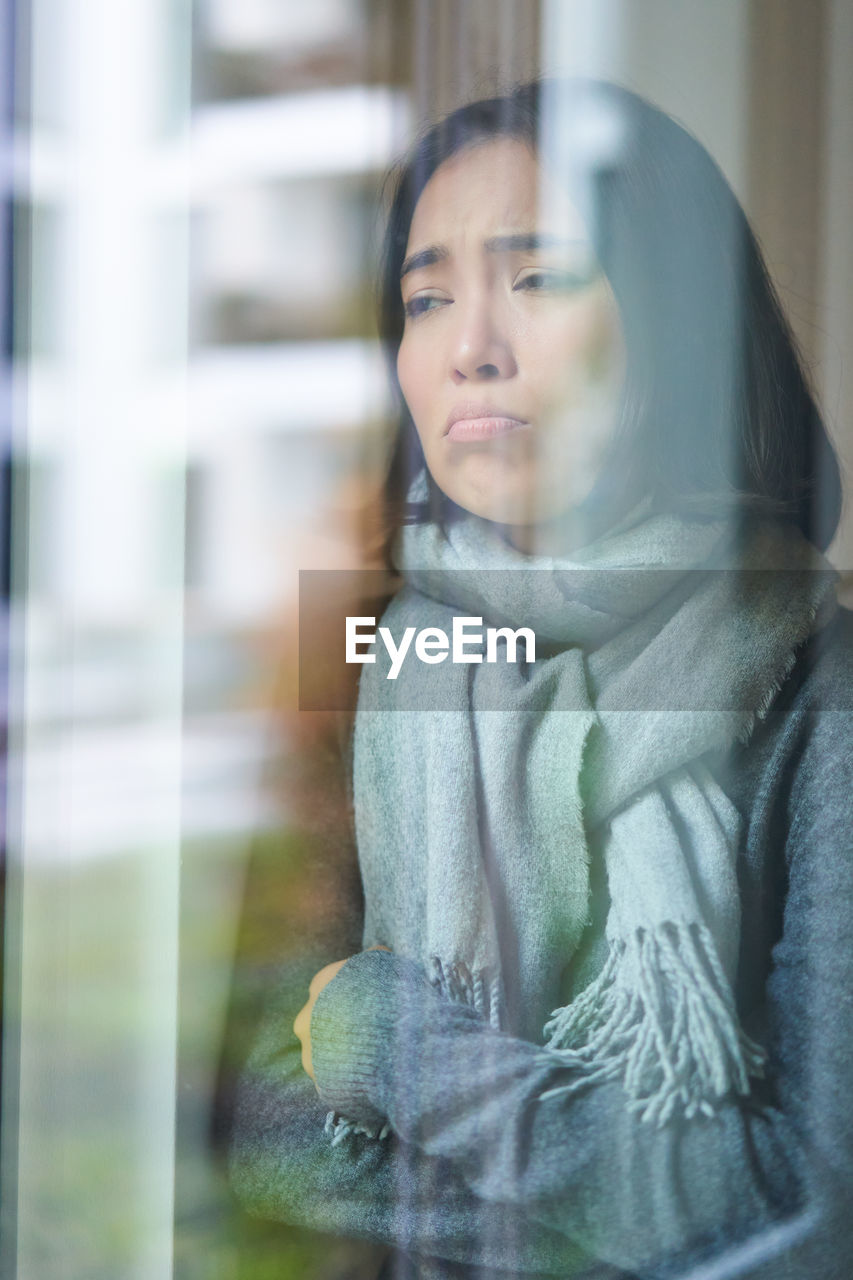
(302, 1023)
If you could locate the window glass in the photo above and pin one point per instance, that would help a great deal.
(201, 397)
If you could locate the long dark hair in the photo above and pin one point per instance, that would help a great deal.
(717, 408)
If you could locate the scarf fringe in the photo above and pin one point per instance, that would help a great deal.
(339, 1129)
(661, 1018)
(456, 982)
(770, 694)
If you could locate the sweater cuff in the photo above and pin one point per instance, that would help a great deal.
(353, 1029)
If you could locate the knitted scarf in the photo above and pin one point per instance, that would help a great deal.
(488, 795)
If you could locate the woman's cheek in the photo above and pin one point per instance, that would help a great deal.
(403, 371)
(604, 341)
(415, 378)
(587, 353)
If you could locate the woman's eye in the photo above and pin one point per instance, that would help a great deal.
(555, 280)
(421, 303)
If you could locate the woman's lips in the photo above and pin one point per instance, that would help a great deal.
(483, 426)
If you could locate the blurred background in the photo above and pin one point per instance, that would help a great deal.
(192, 409)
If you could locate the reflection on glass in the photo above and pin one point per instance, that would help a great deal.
(567, 1038)
(588, 377)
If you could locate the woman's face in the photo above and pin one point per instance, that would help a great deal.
(512, 358)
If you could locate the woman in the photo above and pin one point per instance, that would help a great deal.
(601, 1022)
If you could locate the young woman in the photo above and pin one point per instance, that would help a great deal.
(601, 1022)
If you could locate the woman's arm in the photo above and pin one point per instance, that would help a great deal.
(282, 1161)
(302, 909)
(582, 1164)
(284, 1166)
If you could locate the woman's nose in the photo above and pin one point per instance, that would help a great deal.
(482, 348)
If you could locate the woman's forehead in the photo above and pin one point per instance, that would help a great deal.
(492, 187)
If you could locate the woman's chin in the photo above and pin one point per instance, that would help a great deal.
(500, 509)
(528, 518)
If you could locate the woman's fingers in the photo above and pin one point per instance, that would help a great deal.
(302, 1026)
(323, 977)
(302, 1022)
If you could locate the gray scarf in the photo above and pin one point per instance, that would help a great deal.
(487, 795)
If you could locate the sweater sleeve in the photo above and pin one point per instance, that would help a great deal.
(285, 1166)
(757, 1189)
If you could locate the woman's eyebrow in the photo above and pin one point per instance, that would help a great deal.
(516, 242)
(528, 241)
(424, 258)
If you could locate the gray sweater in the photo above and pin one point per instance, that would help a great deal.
(485, 1174)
